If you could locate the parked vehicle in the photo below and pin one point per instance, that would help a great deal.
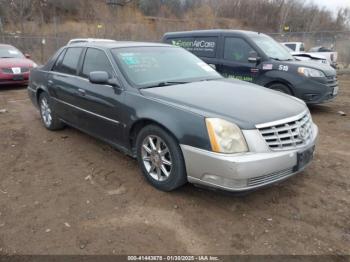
(257, 58)
(175, 114)
(297, 47)
(319, 51)
(307, 56)
(14, 66)
(89, 40)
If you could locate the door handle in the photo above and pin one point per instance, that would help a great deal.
(50, 83)
(81, 92)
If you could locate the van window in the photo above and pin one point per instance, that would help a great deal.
(292, 46)
(96, 60)
(237, 50)
(200, 46)
(70, 61)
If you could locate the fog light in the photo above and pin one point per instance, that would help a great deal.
(311, 97)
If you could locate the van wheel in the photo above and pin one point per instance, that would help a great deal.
(281, 88)
(48, 116)
(160, 158)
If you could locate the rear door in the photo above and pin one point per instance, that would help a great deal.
(101, 105)
(63, 84)
(234, 63)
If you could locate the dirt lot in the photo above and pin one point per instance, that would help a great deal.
(67, 193)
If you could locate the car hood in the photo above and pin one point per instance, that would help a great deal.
(15, 62)
(326, 69)
(240, 102)
(312, 56)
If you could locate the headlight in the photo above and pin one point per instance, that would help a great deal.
(35, 65)
(309, 72)
(225, 137)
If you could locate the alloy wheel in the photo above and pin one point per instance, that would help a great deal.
(45, 112)
(156, 158)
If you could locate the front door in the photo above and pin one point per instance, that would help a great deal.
(235, 62)
(100, 105)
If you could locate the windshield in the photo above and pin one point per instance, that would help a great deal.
(148, 66)
(271, 48)
(10, 52)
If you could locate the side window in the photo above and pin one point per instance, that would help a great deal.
(236, 50)
(292, 46)
(59, 60)
(96, 60)
(70, 61)
(302, 48)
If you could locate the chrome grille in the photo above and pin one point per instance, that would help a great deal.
(7, 70)
(256, 181)
(293, 133)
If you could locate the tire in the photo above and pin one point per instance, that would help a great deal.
(281, 88)
(154, 160)
(48, 116)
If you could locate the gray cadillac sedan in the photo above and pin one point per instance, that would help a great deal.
(182, 120)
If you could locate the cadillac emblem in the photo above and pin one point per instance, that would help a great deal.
(302, 133)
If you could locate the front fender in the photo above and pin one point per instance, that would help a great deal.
(187, 127)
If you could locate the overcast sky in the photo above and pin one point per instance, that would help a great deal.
(333, 5)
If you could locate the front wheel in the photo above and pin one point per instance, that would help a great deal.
(160, 158)
(281, 88)
(48, 116)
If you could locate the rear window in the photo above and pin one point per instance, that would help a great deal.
(200, 46)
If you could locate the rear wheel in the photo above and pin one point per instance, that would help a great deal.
(48, 116)
(281, 88)
(160, 158)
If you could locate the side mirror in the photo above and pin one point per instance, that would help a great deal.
(253, 57)
(102, 78)
(27, 56)
(99, 77)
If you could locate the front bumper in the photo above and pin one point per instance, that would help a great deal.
(9, 79)
(317, 90)
(243, 172)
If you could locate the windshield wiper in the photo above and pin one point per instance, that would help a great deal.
(6, 57)
(166, 83)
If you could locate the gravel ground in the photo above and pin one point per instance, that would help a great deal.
(67, 193)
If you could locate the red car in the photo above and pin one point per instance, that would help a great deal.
(14, 66)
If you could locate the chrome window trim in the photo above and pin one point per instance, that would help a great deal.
(282, 121)
(68, 75)
(86, 79)
(86, 111)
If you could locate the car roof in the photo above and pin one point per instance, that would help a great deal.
(212, 32)
(118, 44)
(83, 40)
